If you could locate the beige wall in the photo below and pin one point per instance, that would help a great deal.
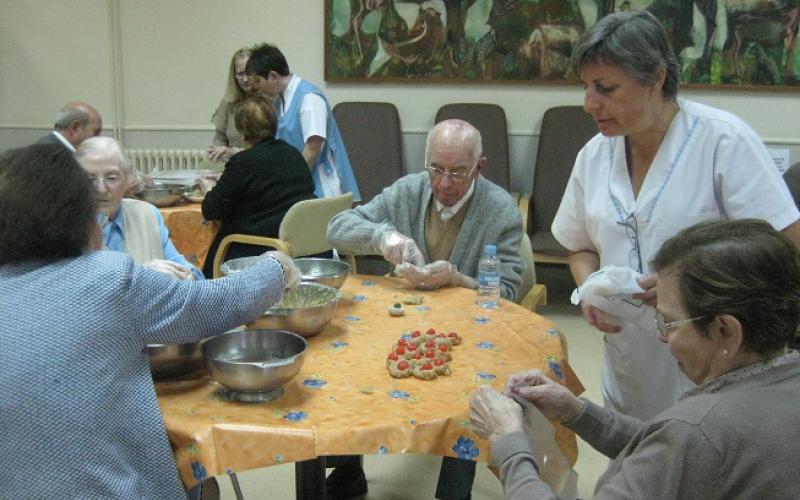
(173, 61)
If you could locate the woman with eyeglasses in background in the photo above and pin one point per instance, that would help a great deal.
(659, 164)
(227, 141)
(728, 305)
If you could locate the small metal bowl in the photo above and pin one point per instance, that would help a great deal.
(304, 310)
(323, 271)
(254, 365)
(174, 360)
(233, 266)
(162, 194)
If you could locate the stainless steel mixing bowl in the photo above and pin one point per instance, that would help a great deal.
(304, 310)
(174, 360)
(323, 271)
(162, 194)
(254, 365)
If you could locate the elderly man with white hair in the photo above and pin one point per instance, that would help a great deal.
(133, 227)
(434, 225)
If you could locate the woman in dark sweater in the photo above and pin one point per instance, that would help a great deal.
(259, 184)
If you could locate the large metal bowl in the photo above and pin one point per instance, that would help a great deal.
(304, 310)
(254, 365)
(174, 360)
(323, 271)
(162, 194)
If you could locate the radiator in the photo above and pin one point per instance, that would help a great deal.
(149, 160)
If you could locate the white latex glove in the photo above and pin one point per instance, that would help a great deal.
(555, 401)
(207, 181)
(291, 275)
(493, 415)
(399, 249)
(221, 153)
(169, 268)
(430, 276)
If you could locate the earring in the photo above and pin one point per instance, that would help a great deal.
(725, 353)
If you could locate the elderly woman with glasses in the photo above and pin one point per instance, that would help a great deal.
(78, 410)
(659, 164)
(130, 226)
(728, 304)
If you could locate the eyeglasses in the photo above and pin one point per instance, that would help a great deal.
(663, 327)
(457, 176)
(109, 180)
(632, 230)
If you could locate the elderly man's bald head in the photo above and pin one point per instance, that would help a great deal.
(77, 121)
(455, 133)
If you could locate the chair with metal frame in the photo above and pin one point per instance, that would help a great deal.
(302, 230)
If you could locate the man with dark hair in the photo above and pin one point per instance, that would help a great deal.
(76, 122)
(305, 121)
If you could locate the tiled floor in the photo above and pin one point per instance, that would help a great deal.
(413, 477)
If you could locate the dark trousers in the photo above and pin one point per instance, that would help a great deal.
(455, 479)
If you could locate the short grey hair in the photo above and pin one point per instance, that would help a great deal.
(102, 148)
(634, 41)
(455, 129)
(69, 115)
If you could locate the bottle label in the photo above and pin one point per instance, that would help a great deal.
(489, 280)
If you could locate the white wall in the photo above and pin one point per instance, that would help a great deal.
(174, 58)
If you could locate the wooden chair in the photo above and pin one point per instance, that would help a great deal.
(564, 131)
(302, 231)
(529, 294)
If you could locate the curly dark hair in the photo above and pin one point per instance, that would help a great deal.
(744, 268)
(47, 205)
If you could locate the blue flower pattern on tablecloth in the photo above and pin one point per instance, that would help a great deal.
(465, 449)
(199, 471)
(314, 383)
(368, 283)
(338, 345)
(555, 368)
(359, 298)
(552, 332)
(485, 376)
(481, 320)
(406, 337)
(295, 416)
(484, 345)
(353, 319)
(382, 450)
(395, 394)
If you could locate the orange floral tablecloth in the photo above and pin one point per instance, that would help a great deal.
(343, 401)
(190, 233)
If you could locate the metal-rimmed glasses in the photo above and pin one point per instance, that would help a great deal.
(664, 326)
(632, 230)
(110, 180)
(457, 176)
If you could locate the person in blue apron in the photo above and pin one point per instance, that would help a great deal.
(305, 121)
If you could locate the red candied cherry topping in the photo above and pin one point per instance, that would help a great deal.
(400, 350)
(438, 362)
(452, 334)
(442, 335)
(430, 344)
(417, 355)
(415, 333)
(393, 356)
(427, 366)
(403, 365)
(402, 342)
(444, 347)
(411, 347)
(431, 331)
(430, 354)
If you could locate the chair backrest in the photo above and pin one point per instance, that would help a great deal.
(371, 132)
(792, 179)
(490, 120)
(305, 224)
(564, 131)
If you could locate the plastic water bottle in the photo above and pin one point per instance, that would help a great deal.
(489, 279)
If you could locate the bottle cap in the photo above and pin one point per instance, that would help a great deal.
(490, 250)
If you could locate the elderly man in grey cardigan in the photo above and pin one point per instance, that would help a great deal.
(434, 225)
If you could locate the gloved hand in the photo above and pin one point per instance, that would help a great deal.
(431, 276)
(291, 275)
(398, 249)
(169, 268)
(493, 415)
(221, 153)
(207, 181)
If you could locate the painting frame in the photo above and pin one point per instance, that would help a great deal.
(418, 41)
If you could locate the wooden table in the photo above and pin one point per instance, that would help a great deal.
(190, 233)
(343, 401)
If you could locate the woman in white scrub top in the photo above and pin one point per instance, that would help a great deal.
(659, 164)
